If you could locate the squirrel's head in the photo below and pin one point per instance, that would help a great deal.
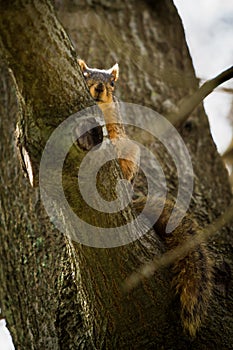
(100, 82)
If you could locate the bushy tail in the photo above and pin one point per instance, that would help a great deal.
(193, 282)
(192, 271)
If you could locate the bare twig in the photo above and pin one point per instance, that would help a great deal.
(148, 269)
(191, 102)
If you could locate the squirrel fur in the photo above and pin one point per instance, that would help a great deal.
(193, 272)
(101, 84)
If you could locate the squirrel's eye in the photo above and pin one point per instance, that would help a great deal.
(112, 83)
(85, 74)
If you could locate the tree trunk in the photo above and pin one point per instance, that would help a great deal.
(57, 293)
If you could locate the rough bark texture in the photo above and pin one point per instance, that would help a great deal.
(62, 295)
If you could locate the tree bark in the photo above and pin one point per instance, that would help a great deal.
(63, 294)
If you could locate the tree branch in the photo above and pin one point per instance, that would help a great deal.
(148, 270)
(191, 102)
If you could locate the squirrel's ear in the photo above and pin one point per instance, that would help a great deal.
(82, 65)
(115, 71)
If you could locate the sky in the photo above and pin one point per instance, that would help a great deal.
(208, 28)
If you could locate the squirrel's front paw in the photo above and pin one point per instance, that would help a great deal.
(129, 169)
(129, 157)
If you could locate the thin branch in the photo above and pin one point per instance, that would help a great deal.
(225, 90)
(228, 154)
(191, 102)
(148, 269)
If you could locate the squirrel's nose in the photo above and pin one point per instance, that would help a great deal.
(99, 87)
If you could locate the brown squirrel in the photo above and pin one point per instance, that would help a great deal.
(193, 272)
(101, 85)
